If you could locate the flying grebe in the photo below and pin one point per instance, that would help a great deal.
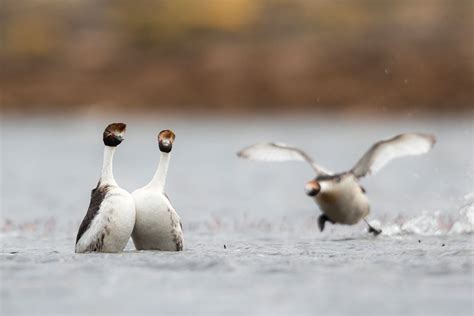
(340, 197)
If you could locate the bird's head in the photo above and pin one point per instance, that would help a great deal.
(312, 188)
(165, 140)
(113, 134)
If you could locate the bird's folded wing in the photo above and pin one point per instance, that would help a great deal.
(279, 152)
(383, 151)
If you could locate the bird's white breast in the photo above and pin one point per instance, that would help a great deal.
(157, 226)
(343, 201)
(113, 223)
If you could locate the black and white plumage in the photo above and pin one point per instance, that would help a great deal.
(110, 218)
(158, 225)
(339, 195)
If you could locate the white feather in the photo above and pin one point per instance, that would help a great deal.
(115, 219)
(384, 151)
(278, 152)
(270, 152)
(158, 225)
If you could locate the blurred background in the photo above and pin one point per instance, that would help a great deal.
(330, 77)
(237, 56)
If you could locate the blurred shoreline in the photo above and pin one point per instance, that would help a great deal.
(237, 57)
(349, 111)
(111, 113)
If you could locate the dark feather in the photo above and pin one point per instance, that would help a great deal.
(97, 196)
(336, 177)
(174, 231)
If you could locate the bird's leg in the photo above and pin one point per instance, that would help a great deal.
(322, 220)
(372, 230)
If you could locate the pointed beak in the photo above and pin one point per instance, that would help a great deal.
(312, 188)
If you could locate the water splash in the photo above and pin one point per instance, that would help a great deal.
(433, 224)
(465, 222)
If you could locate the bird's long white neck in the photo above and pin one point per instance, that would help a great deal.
(107, 176)
(159, 179)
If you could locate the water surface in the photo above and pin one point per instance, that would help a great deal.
(275, 261)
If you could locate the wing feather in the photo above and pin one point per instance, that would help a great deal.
(97, 196)
(279, 152)
(384, 151)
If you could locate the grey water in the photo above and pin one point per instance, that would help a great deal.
(252, 246)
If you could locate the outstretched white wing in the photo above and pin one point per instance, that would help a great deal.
(279, 152)
(383, 151)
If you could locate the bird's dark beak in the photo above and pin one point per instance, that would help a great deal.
(312, 188)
